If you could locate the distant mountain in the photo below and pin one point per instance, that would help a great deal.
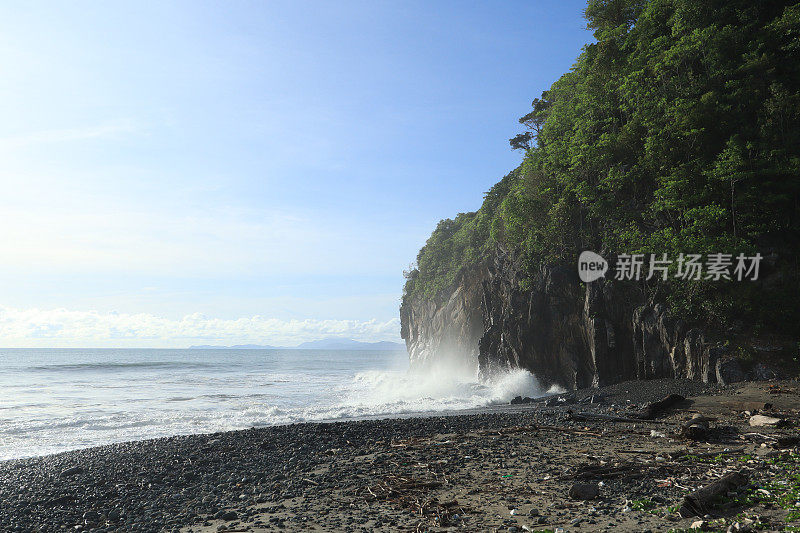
(331, 343)
(335, 343)
(236, 347)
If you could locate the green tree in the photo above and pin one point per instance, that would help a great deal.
(678, 130)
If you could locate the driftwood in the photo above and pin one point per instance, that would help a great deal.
(570, 430)
(588, 417)
(605, 471)
(412, 494)
(776, 440)
(749, 406)
(599, 417)
(697, 428)
(786, 441)
(630, 469)
(675, 456)
(534, 428)
(654, 409)
(701, 501)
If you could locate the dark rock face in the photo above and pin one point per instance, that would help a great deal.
(729, 370)
(564, 331)
(765, 372)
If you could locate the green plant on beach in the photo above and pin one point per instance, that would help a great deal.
(645, 504)
(783, 490)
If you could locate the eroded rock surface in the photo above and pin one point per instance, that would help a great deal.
(564, 331)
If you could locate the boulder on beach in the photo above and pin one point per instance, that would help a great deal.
(584, 491)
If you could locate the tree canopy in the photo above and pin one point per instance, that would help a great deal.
(678, 130)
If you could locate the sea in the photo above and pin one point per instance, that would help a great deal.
(54, 400)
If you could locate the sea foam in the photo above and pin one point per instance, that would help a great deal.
(58, 400)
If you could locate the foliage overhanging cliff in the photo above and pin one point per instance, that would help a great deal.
(677, 131)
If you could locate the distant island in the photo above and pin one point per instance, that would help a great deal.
(330, 343)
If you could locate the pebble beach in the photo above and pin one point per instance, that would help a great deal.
(509, 468)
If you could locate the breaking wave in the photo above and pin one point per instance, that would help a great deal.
(57, 403)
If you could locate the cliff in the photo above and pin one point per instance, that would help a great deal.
(656, 141)
(565, 332)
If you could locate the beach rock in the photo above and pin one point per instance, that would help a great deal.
(522, 400)
(584, 491)
(763, 420)
(742, 526)
(71, 471)
(559, 400)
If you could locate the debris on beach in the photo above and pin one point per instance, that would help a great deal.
(702, 501)
(599, 417)
(654, 409)
(696, 428)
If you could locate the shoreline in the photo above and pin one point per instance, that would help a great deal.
(438, 472)
(487, 409)
(506, 407)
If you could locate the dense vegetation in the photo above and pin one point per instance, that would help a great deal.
(678, 130)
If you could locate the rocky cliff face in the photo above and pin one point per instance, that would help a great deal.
(565, 332)
(450, 329)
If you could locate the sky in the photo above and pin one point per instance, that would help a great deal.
(177, 173)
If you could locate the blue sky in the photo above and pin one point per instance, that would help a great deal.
(224, 172)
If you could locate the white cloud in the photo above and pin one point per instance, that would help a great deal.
(111, 129)
(63, 327)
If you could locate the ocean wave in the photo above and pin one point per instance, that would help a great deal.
(121, 366)
(386, 393)
(81, 412)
